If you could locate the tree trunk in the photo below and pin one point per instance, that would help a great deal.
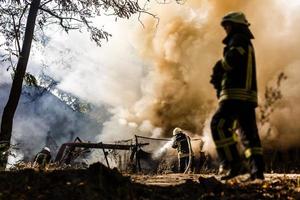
(16, 88)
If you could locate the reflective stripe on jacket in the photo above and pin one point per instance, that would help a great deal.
(239, 78)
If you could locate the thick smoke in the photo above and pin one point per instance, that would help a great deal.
(158, 77)
(284, 128)
(181, 49)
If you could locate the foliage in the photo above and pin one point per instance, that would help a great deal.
(271, 97)
(69, 15)
(66, 14)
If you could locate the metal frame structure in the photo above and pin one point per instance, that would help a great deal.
(68, 152)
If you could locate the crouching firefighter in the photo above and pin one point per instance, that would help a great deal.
(42, 158)
(182, 143)
(234, 78)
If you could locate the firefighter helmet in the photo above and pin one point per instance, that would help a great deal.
(46, 149)
(235, 17)
(177, 131)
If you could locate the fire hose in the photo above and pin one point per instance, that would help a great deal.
(190, 154)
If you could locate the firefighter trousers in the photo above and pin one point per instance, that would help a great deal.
(230, 116)
(183, 163)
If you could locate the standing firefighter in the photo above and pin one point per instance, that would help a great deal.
(42, 158)
(234, 78)
(182, 143)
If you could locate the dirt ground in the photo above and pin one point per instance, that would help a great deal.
(99, 182)
(208, 186)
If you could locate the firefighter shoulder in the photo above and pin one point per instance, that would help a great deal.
(42, 158)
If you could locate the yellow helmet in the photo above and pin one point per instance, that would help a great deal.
(177, 131)
(235, 17)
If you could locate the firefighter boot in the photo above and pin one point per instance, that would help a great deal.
(236, 169)
(257, 166)
(257, 175)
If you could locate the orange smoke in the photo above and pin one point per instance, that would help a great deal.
(186, 43)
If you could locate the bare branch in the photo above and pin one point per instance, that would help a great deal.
(63, 19)
(16, 34)
(60, 17)
(22, 14)
(146, 12)
(46, 2)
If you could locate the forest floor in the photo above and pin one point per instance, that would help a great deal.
(99, 182)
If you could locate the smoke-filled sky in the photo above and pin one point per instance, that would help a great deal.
(155, 76)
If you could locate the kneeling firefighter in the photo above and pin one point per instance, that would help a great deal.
(42, 158)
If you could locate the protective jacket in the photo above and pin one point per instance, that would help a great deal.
(181, 144)
(238, 69)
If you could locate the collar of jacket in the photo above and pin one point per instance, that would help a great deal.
(235, 37)
(227, 39)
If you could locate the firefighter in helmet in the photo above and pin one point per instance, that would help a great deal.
(181, 142)
(234, 78)
(42, 158)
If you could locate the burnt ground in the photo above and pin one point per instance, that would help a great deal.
(99, 182)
